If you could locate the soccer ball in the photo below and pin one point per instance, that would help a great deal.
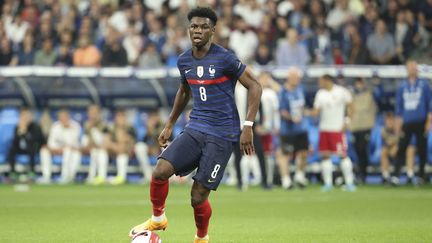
(146, 236)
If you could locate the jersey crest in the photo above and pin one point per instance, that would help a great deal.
(200, 71)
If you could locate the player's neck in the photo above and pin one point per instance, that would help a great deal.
(200, 52)
(412, 79)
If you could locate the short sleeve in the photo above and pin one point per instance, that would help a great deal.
(283, 104)
(233, 68)
(182, 73)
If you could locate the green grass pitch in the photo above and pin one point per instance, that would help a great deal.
(105, 214)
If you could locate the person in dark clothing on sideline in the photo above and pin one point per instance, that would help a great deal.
(414, 113)
(28, 139)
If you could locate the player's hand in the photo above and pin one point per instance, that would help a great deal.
(164, 136)
(296, 119)
(246, 141)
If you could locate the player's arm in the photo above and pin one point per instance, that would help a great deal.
(284, 113)
(181, 100)
(315, 111)
(349, 114)
(249, 81)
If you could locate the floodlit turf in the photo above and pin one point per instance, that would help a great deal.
(105, 214)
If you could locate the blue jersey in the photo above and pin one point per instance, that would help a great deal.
(294, 102)
(413, 101)
(212, 80)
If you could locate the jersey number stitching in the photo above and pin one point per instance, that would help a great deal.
(203, 94)
(215, 171)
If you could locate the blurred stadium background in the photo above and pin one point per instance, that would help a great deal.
(122, 54)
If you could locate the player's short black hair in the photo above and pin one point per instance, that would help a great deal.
(203, 12)
(328, 77)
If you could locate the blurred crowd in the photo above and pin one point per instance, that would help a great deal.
(152, 33)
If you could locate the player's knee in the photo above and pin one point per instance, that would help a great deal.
(198, 195)
(197, 198)
(163, 171)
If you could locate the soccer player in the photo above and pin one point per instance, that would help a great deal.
(414, 114)
(208, 75)
(330, 104)
(293, 132)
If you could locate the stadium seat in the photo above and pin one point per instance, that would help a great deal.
(8, 120)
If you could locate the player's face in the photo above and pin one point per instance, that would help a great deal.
(321, 82)
(93, 113)
(64, 118)
(411, 67)
(200, 31)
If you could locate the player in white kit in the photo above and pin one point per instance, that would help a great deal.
(333, 104)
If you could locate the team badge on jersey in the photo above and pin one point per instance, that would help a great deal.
(212, 71)
(200, 71)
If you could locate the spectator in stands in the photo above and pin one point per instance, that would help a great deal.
(28, 139)
(367, 21)
(16, 30)
(63, 140)
(339, 15)
(381, 45)
(30, 14)
(320, 46)
(362, 122)
(243, 41)
(150, 58)
(26, 53)
(422, 36)
(7, 14)
(157, 34)
(6, 52)
(64, 57)
(316, 10)
(113, 54)
(290, 52)
(46, 56)
(121, 145)
(86, 55)
(305, 31)
(389, 15)
(358, 53)
(414, 113)
(390, 138)
(132, 43)
(95, 136)
(403, 36)
(149, 147)
(425, 13)
(296, 15)
(45, 31)
(263, 55)
(251, 11)
(176, 44)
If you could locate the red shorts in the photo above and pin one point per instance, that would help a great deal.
(267, 142)
(333, 142)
